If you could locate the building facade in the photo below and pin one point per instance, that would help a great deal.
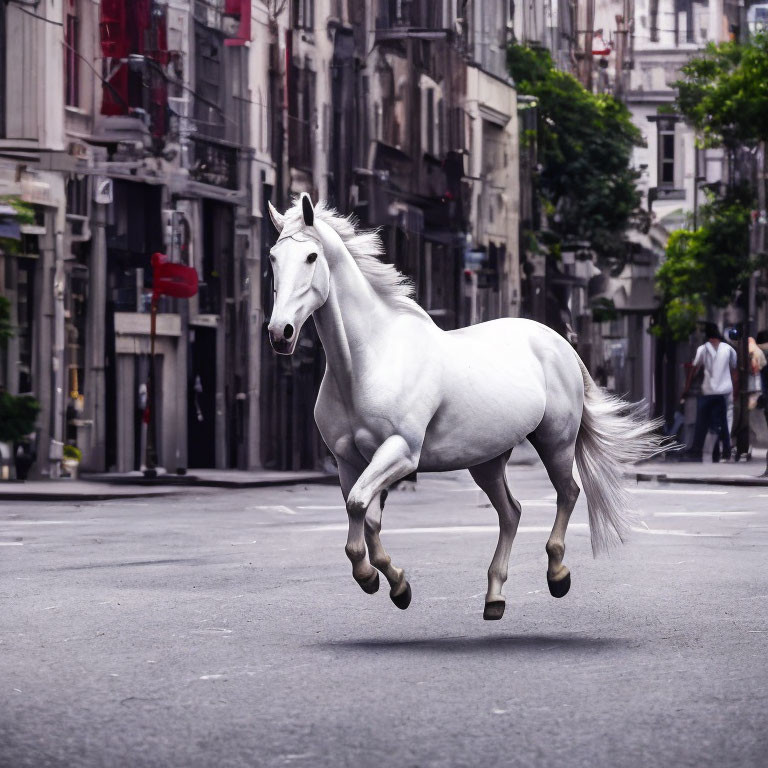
(395, 113)
(138, 144)
(131, 128)
(633, 49)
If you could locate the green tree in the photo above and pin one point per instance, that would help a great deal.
(24, 214)
(723, 93)
(704, 266)
(585, 143)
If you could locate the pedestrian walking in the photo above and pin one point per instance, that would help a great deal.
(718, 361)
(762, 345)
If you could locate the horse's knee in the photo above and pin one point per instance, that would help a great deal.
(355, 552)
(355, 507)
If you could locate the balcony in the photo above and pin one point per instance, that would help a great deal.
(213, 163)
(396, 19)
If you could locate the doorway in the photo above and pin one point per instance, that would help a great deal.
(201, 419)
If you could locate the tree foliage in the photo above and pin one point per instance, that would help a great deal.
(585, 144)
(705, 266)
(724, 92)
(25, 214)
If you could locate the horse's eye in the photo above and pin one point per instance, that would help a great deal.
(311, 258)
(272, 257)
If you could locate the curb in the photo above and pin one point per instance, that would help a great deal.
(755, 482)
(192, 481)
(75, 496)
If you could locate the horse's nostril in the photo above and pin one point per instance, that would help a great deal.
(288, 331)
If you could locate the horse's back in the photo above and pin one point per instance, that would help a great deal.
(497, 379)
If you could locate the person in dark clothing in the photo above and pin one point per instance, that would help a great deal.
(718, 361)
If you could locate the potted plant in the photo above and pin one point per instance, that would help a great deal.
(18, 415)
(72, 457)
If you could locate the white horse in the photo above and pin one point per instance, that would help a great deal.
(399, 394)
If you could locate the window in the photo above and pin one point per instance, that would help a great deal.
(430, 122)
(71, 56)
(301, 111)
(304, 14)
(209, 83)
(666, 153)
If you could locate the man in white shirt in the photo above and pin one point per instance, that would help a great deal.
(718, 360)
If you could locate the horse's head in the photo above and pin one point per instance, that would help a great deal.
(301, 276)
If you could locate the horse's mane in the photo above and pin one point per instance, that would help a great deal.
(367, 249)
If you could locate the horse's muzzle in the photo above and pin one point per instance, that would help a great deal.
(282, 346)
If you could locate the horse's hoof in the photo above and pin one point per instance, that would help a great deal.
(371, 584)
(560, 587)
(403, 600)
(494, 610)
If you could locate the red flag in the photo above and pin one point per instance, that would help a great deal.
(171, 279)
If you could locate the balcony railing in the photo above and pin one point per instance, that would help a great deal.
(213, 163)
(409, 13)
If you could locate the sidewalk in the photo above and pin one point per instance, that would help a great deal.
(216, 478)
(739, 473)
(133, 484)
(72, 490)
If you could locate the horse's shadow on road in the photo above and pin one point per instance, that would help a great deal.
(499, 643)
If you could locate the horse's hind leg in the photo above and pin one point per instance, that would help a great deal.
(400, 590)
(556, 449)
(492, 479)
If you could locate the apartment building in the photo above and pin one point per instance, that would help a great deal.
(165, 126)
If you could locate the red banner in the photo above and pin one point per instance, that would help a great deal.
(170, 279)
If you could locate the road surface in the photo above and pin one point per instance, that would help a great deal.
(223, 628)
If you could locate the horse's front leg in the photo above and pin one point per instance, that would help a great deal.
(399, 589)
(365, 575)
(393, 460)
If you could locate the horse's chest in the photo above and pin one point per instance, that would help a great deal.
(361, 421)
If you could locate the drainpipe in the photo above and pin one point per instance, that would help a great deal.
(94, 458)
(59, 283)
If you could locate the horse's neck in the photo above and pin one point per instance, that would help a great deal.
(348, 320)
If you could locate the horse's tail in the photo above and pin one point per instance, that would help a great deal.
(613, 434)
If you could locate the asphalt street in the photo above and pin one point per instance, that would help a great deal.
(223, 628)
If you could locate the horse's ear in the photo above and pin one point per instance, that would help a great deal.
(277, 218)
(307, 210)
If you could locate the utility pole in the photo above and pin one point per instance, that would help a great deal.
(762, 180)
(621, 47)
(589, 31)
